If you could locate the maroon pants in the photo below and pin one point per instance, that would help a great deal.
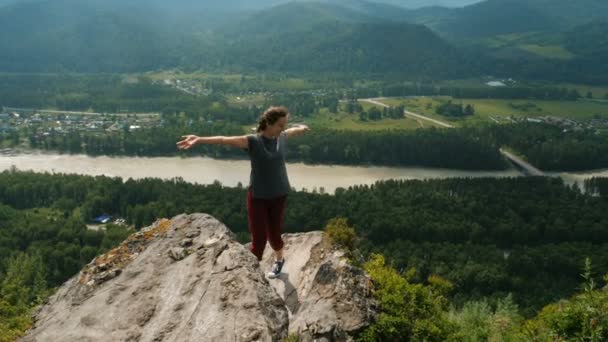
(266, 216)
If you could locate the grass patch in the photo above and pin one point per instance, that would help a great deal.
(245, 100)
(487, 109)
(351, 122)
(548, 51)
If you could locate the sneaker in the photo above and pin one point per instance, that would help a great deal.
(276, 269)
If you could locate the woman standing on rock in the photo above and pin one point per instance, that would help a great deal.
(268, 181)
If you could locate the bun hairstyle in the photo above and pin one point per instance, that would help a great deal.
(270, 116)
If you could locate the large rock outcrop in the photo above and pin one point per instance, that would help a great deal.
(327, 299)
(187, 279)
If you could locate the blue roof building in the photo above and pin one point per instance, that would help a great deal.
(102, 219)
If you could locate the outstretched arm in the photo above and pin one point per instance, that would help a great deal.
(297, 130)
(191, 140)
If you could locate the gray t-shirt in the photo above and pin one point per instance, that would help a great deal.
(268, 178)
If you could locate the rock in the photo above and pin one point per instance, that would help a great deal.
(217, 294)
(187, 279)
(177, 253)
(327, 298)
(186, 242)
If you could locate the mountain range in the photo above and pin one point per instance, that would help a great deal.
(308, 36)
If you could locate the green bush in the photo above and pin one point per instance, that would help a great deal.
(584, 317)
(408, 312)
(340, 233)
(478, 322)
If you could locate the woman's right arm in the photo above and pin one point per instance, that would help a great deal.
(239, 141)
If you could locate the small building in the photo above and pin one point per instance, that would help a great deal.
(102, 219)
(495, 84)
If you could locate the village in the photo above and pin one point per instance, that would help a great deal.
(47, 122)
(597, 125)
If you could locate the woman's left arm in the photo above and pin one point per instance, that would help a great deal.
(298, 130)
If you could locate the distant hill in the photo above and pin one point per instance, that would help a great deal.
(568, 14)
(523, 39)
(498, 17)
(326, 37)
(589, 40)
(577, 54)
(366, 47)
(294, 16)
(490, 18)
(71, 35)
(64, 35)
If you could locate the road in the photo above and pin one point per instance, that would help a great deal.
(408, 113)
(527, 167)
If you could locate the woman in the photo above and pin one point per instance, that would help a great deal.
(268, 181)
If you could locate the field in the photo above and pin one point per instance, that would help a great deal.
(499, 110)
(548, 51)
(259, 81)
(246, 100)
(350, 122)
(597, 92)
(539, 43)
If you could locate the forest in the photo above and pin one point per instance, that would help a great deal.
(490, 237)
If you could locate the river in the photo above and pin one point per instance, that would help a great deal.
(204, 170)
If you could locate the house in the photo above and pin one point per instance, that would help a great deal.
(102, 219)
(495, 84)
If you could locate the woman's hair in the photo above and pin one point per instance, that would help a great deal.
(270, 116)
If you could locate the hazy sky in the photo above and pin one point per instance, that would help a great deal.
(249, 4)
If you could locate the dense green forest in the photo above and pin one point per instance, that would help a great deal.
(99, 93)
(549, 147)
(598, 186)
(489, 238)
(459, 228)
(433, 147)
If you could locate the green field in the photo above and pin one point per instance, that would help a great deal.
(257, 81)
(500, 110)
(246, 100)
(510, 39)
(348, 121)
(548, 45)
(597, 92)
(548, 51)
(351, 122)
(170, 74)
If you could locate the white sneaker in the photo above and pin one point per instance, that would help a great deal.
(276, 269)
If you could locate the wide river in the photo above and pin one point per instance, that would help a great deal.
(203, 170)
